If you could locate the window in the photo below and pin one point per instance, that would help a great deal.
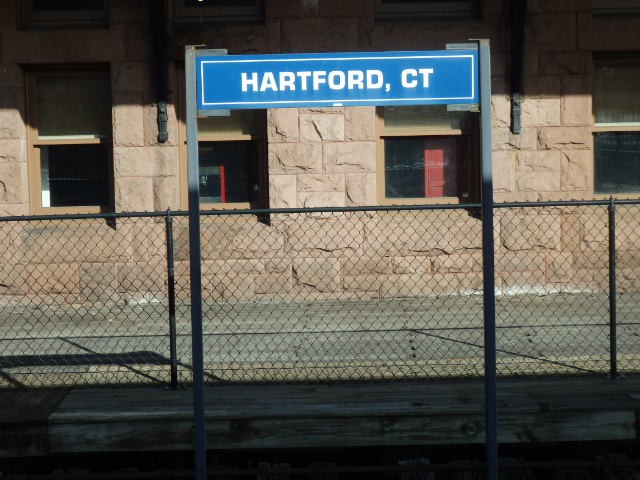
(616, 108)
(70, 137)
(615, 7)
(231, 160)
(427, 9)
(229, 149)
(231, 155)
(52, 14)
(189, 12)
(425, 152)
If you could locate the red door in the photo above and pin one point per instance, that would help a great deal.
(434, 176)
(440, 166)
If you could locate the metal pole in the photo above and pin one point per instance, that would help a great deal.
(613, 323)
(491, 410)
(171, 292)
(195, 270)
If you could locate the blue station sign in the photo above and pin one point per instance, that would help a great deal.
(336, 79)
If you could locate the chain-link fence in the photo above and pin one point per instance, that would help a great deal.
(319, 295)
(553, 277)
(83, 301)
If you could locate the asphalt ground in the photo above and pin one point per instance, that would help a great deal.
(321, 340)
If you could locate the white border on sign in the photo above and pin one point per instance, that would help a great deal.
(335, 103)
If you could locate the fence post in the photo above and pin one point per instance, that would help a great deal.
(613, 340)
(171, 293)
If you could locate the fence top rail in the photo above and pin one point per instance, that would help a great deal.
(249, 211)
(378, 208)
(86, 216)
(569, 203)
(275, 211)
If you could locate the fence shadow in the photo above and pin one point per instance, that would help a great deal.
(80, 359)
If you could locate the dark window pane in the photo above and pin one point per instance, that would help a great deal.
(218, 11)
(615, 7)
(404, 168)
(67, 5)
(220, 3)
(402, 2)
(617, 162)
(227, 171)
(416, 9)
(74, 175)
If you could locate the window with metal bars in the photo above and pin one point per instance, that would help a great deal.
(427, 9)
(63, 14)
(203, 12)
(615, 7)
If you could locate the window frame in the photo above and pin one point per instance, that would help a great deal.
(34, 166)
(606, 8)
(442, 10)
(208, 15)
(75, 19)
(611, 127)
(257, 135)
(413, 131)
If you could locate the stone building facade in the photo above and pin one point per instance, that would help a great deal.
(549, 55)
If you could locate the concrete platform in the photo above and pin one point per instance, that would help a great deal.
(320, 340)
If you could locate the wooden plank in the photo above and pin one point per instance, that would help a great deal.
(261, 433)
(24, 440)
(23, 421)
(417, 430)
(126, 436)
(246, 433)
(269, 416)
(572, 474)
(575, 426)
(468, 393)
(283, 402)
(19, 406)
(582, 393)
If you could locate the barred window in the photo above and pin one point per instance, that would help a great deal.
(193, 12)
(60, 14)
(615, 7)
(427, 9)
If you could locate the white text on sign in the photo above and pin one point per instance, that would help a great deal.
(334, 80)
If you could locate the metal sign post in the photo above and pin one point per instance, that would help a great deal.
(488, 267)
(195, 271)
(216, 83)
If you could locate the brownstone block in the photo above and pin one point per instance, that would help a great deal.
(53, 278)
(565, 138)
(527, 232)
(552, 31)
(321, 274)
